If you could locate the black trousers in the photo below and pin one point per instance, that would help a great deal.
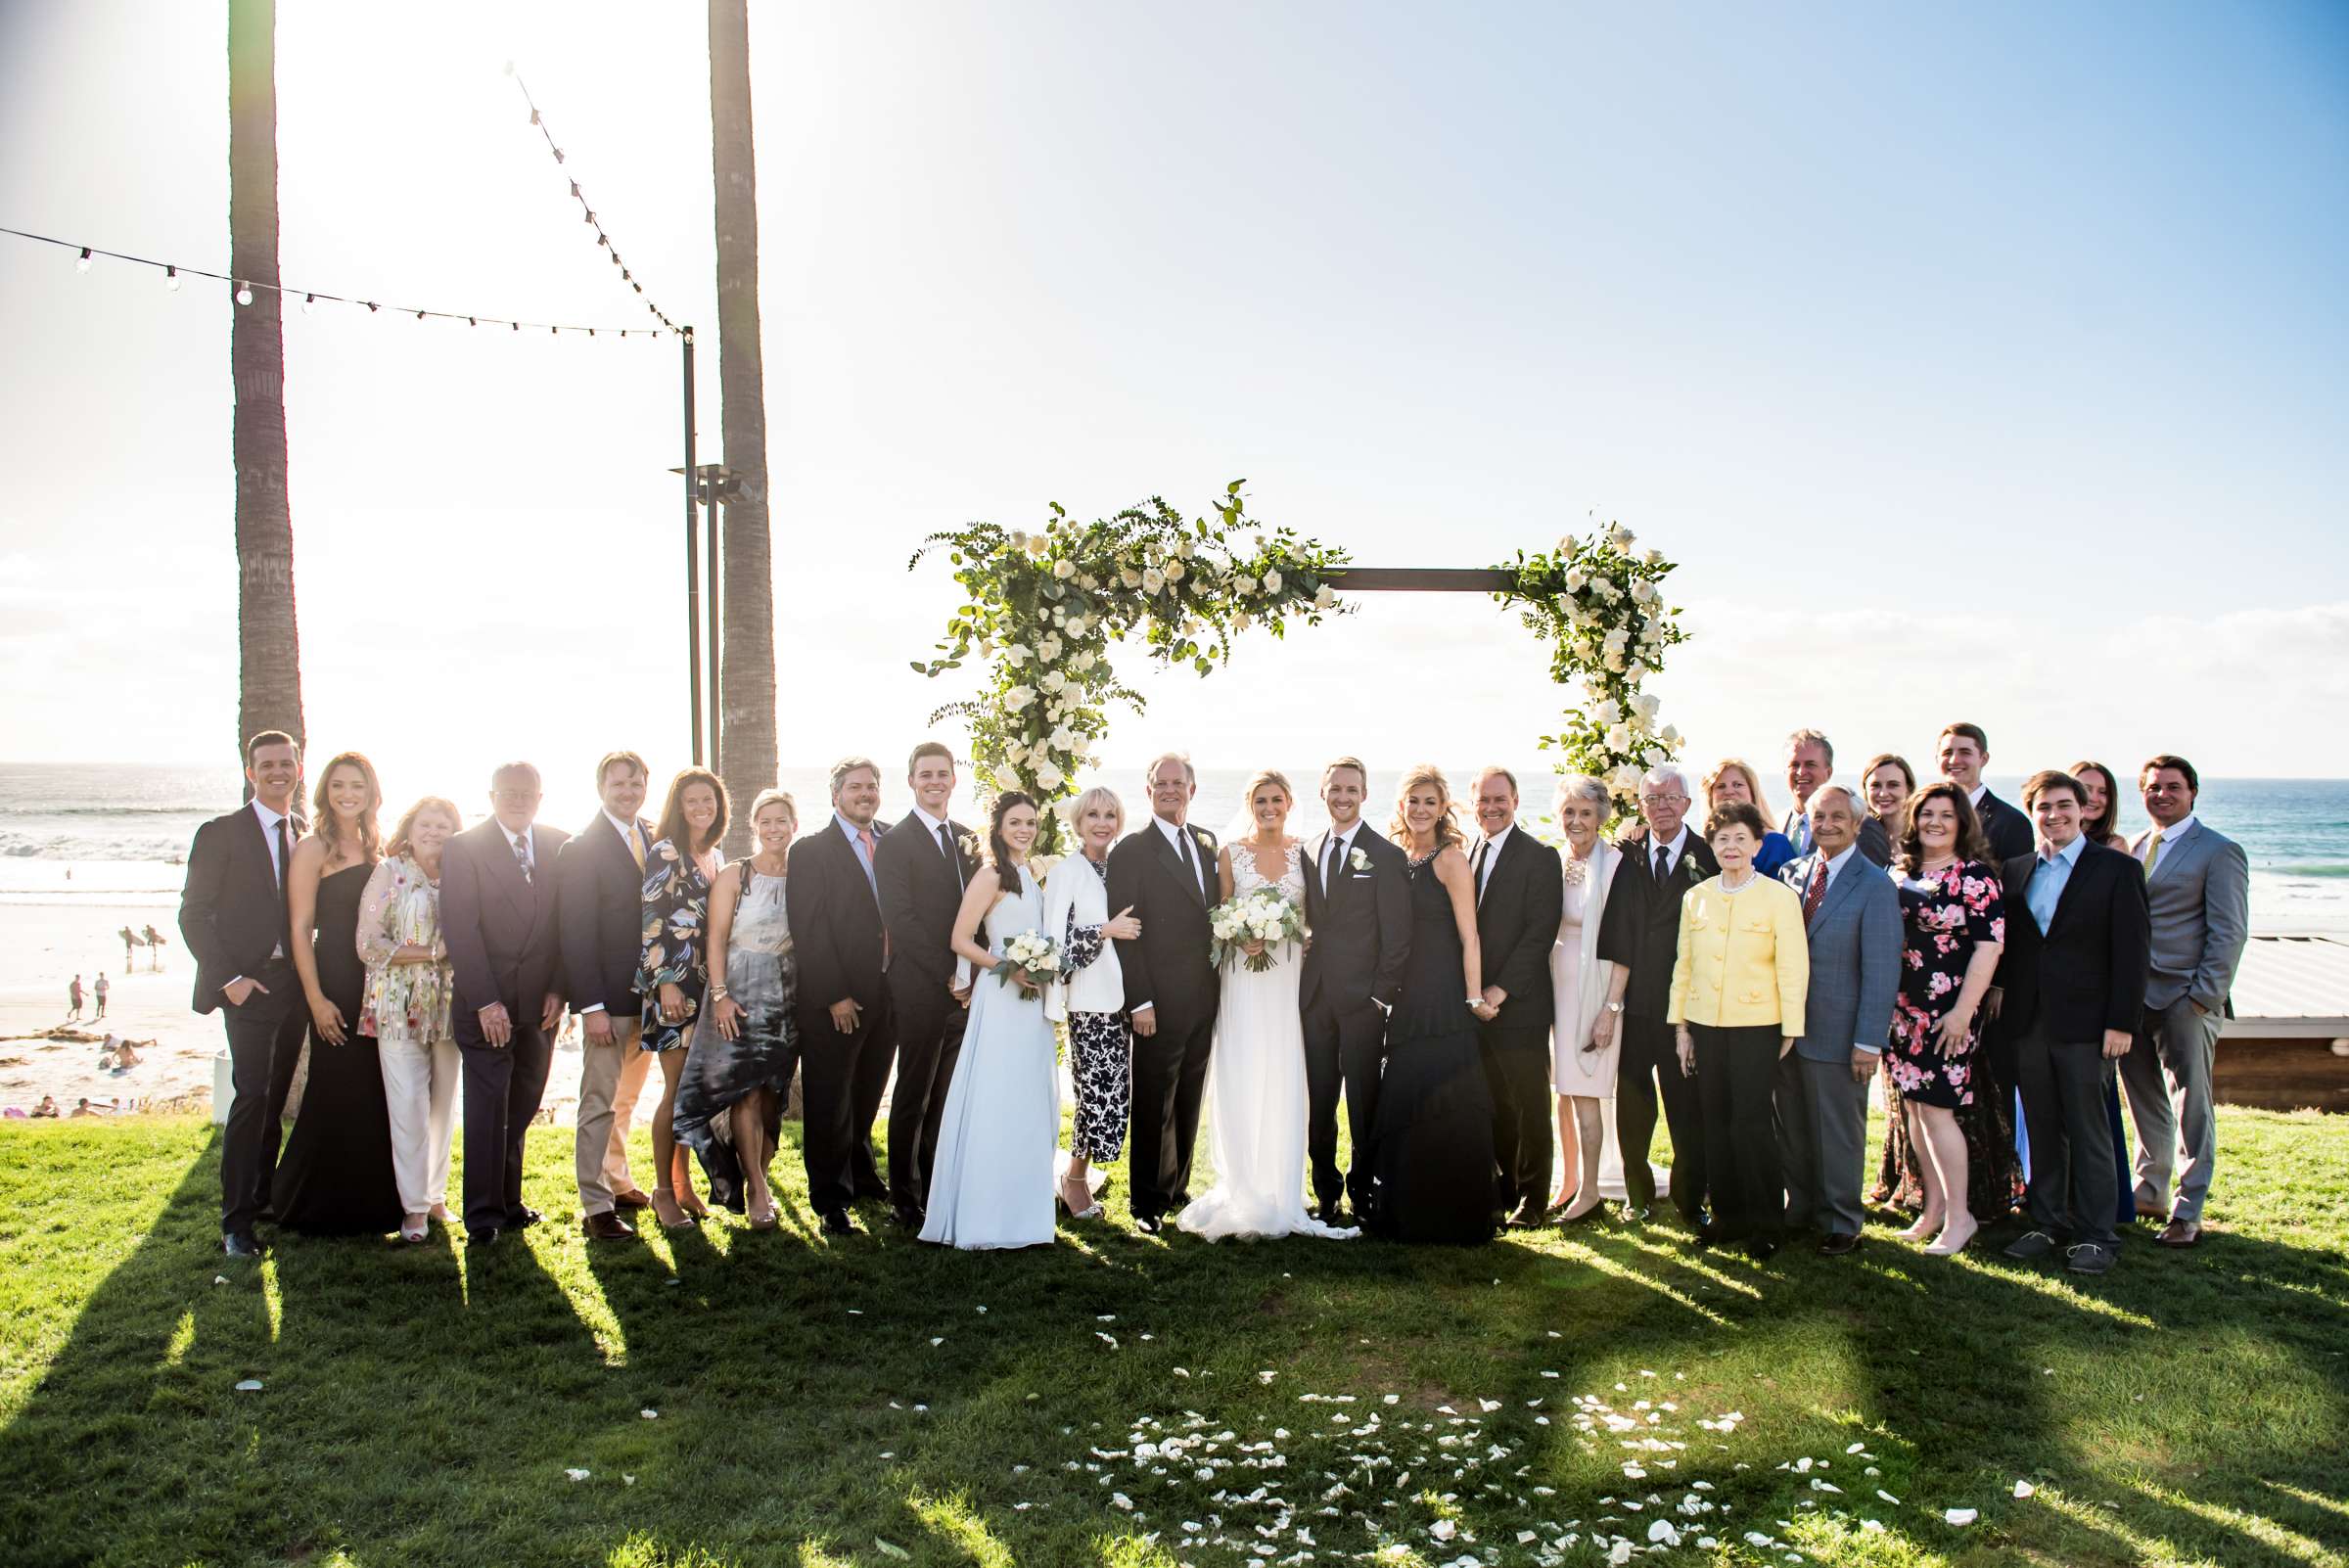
(1170, 1080)
(929, 1042)
(1517, 1072)
(2075, 1182)
(841, 1079)
(1649, 1062)
(1736, 1080)
(503, 1085)
(265, 1047)
(1345, 1048)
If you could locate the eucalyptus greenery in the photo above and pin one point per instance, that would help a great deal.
(1600, 608)
(1045, 608)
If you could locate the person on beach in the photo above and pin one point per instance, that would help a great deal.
(155, 949)
(99, 991)
(47, 1109)
(130, 939)
(74, 1001)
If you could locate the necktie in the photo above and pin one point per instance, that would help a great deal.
(1813, 895)
(1329, 862)
(864, 837)
(1484, 850)
(1802, 833)
(636, 844)
(282, 854)
(945, 845)
(2153, 854)
(522, 855)
(1663, 863)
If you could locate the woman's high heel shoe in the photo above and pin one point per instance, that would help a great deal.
(1084, 1207)
(665, 1204)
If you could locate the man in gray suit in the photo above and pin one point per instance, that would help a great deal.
(1851, 915)
(2198, 889)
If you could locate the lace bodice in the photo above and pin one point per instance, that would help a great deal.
(1246, 878)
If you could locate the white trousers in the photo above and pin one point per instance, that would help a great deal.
(420, 1097)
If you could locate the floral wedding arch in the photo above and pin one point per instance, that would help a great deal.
(1045, 610)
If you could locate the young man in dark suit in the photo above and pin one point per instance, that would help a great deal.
(498, 916)
(1166, 875)
(1640, 933)
(1964, 751)
(1357, 904)
(1520, 897)
(847, 1034)
(232, 914)
(2071, 995)
(599, 897)
(922, 867)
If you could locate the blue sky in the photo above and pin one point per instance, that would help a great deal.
(1987, 363)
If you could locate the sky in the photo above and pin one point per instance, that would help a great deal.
(1986, 363)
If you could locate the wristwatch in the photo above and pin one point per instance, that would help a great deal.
(719, 993)
(1614, 1008)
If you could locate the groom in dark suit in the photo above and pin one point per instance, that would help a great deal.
(498, 917)
(847, 1034)
(232, 914)
(922, 867)
(1520, 898)
(1165, 875)
(1358, 906)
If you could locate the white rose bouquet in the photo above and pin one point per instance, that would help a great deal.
(1031, 961)
(1262, 915)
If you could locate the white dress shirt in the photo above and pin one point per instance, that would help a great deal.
(1676, 848)
(525, 846)
(1491, 857)
(1330, 870)
(2169, 836)
(269, 820)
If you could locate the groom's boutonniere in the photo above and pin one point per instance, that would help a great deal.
(1359, 860)
(1199, 836)
(970, 844)
(1696, 873)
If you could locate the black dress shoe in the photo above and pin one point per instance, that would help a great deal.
(1335, 1216)
(522, 1218)
(1149, 1224)
(487, 1236)
(838, 1223)
(240, 1244)
(870, 1192)
(1837, 1244)
(1528, 1216)
(1639, 1216)
(907, 1218)
(1761, 1248)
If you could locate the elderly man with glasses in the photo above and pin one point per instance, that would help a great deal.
(1640, 933)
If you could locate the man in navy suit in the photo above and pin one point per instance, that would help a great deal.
(1520, 893)
(232, 914)
(599, 898)
(498, 916)
(848, 1033)
(2072, 994)
(1852, 917)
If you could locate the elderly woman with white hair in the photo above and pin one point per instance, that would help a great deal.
(1091, 993)
(1584, 1043)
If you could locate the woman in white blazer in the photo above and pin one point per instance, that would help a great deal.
(1090, 995)
(1587, 1037)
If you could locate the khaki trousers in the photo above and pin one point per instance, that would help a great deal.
(611, 1076)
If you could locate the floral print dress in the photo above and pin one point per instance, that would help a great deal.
(406, 1004)
(1947, 917)
(677, 920)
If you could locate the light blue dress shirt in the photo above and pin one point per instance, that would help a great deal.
(2048, 879)
(856, 841)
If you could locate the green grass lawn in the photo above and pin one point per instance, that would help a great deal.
(739, 1397)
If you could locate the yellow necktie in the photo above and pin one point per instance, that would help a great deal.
(2153, 854)
(636, 844)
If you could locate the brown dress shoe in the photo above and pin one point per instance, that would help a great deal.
(2150, 1211)
(2181, 1234)
(607, 1226)
(632, 1199)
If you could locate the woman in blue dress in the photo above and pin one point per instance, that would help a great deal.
(1735, 780)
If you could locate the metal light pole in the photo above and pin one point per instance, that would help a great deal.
(716, 488)
(693, 576)
(710, 485)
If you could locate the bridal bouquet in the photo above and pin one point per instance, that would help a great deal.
(1031, 960)
(1262, 915)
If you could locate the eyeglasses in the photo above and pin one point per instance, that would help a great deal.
(514, 797)
(1663, 799)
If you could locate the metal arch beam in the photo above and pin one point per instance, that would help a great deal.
(1420, 579)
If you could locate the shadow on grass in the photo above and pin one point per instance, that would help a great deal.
(810, 1398)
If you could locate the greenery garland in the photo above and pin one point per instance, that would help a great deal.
(1044, 609)
(1600, 608)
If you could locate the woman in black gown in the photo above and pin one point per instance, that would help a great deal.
(335, 1175)
(1431, 1162)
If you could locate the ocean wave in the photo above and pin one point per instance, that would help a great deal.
(2324, 870)
(194, 808)
(92, 846)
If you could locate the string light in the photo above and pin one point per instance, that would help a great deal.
(310, 299)
(586, 210)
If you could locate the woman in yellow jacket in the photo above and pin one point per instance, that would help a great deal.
(1738, 989)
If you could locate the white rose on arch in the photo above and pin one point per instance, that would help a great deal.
(1644, 591)
(1176, 569)
(1054, 681)
(1018, 698)
(1064, 570)
(1153, 580)
(1272, 581)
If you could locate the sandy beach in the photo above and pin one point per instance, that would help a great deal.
(49, 940)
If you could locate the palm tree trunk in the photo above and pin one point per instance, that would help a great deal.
(747, 690)
(269, 655)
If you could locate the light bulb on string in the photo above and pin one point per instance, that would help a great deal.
(82, 264)
(309, 303)
(171, 279)
(244, 293)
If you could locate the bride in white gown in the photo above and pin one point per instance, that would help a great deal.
(1256, 1097)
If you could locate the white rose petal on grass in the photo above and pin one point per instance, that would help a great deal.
(1959, 1516)
(650, 1413)
(576, 1475)
(250, 1385)
(936, 1342)
(2024, 1489)
(220, 1279)
(1107, 1339)
(1888, 1496)
(890, 1549)
(1443, 1529)
(626, 1480)
(1664, 1530)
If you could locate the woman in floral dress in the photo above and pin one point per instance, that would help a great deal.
(406, 1009)
(1951, 904)
(678, 871)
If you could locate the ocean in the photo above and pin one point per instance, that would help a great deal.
(118, 833)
